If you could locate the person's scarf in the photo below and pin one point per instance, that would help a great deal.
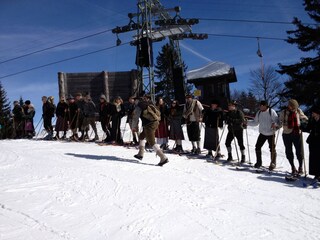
(190, 108)
(293, 123)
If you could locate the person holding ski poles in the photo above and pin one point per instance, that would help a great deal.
(267, 119)
(236, 122)
(213, 119)
(290, 119)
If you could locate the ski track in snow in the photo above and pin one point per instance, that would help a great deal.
(66, 190)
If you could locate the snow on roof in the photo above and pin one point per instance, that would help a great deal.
(211, 70)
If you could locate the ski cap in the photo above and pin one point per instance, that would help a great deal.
(264, 103)
(233, 102)
(293, 103)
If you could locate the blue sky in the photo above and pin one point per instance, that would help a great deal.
(28, 26)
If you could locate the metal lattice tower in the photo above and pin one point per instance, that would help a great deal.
(154, 23)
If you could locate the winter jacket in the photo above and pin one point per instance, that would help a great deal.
(129, 111)
(213, 118)
(314, 128)
(89, 109)
(235, 120)
(283, 119)
(175, 113)
(30, 113)
(48, 110)
(265, 119)
(105, 111)
(61, 109)
(18, 113)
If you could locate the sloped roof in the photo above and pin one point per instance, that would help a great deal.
(211, 70)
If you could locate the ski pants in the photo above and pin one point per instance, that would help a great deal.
(239, 136)
(148, 132)
(295, 140)
(260, 142)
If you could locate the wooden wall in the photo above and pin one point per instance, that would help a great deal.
(111, 84)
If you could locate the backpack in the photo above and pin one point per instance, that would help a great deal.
(151, 113)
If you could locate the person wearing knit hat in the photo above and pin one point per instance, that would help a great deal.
(313, 140)
(290, 119)
(293, 104)
(70, 97)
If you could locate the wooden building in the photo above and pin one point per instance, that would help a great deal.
(212, 82)
(111, 84)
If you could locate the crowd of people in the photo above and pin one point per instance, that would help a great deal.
(161, 122)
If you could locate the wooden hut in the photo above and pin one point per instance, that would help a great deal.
(212, 81)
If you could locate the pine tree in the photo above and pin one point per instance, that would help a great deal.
(304, 84)
(166, 62)
(21, 102)
(6, 127)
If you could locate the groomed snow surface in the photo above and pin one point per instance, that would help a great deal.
(69, 190)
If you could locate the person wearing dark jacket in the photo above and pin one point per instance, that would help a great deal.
(48, 110)
(175, 122)
(105, 117)
(213, 119)
(148, 129)
(30, 112)
(72, 115)
(129, 112)
(89, 114)
(62, 118)
(18, 120)
(79, 120)
(314, 142)
(236, 123)
(117, 112)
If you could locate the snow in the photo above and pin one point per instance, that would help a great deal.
(210, 70)
(68, 190)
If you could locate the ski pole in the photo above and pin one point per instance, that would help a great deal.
(218, 146)
(277, 137)
(39, 128)
(248, 146)
(124, 130)
(302, 153)
(38, 123)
